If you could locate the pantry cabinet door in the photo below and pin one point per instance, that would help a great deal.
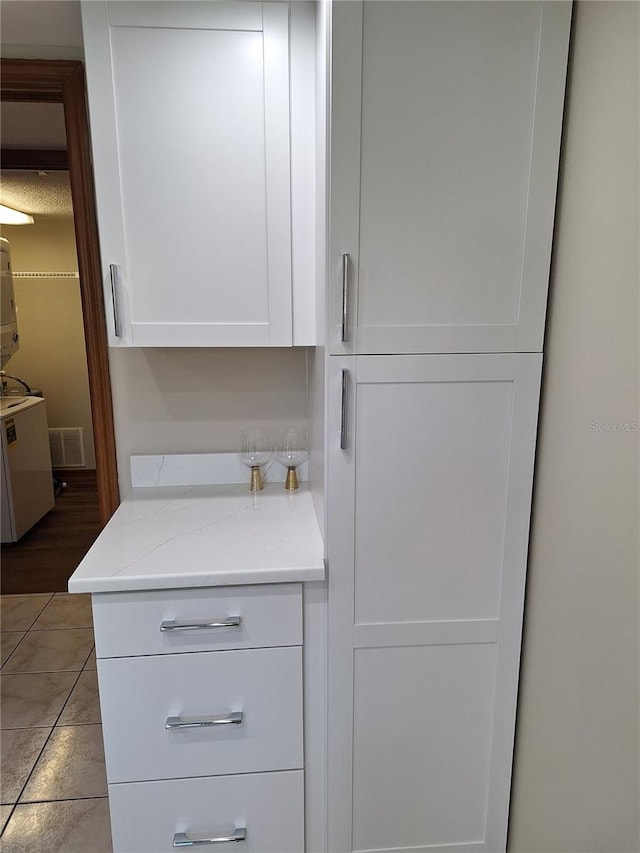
(189, 111)
(445, 135)
(430, 475)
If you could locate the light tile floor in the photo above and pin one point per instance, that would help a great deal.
(53, 782)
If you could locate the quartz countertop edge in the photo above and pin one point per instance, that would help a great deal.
(201, 536)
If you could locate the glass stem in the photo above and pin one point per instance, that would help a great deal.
(256, 479)
(291, 483)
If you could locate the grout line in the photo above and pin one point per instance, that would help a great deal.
(39, 613)
(6, 823)
(53, 727)
(12, 653)
(61, 800)
(14, 806)
(22, 790)
(67, 725)
(61, 628)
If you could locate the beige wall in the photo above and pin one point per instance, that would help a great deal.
(52, 347)
(198, 400)
(577, 745)
(40, 29)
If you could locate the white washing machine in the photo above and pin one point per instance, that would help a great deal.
(27, 480)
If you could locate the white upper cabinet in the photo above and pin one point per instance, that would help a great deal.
(445, 135)
(190, 121)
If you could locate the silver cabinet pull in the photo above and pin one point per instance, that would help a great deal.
(227, 622)
(113, 274)
(232, 719)
(343, 409)
(182, 839)
(345, 297)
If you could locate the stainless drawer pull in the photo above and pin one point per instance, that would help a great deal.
(344, 335)
(343, 410)
(113, 276)
(181, 839)
(233, 719)
(228, 622)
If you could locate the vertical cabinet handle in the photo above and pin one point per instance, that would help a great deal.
(182, 839)
(343, 409)
(113, 275)
(345, 297)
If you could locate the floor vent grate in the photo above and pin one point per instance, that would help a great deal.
(67, 447)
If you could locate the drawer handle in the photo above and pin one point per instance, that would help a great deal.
(344, 334)
(229, 622)
(344, 443)
(181, 839)
(113, 277)
(233, 719)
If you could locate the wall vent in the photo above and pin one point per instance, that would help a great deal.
(67, 447)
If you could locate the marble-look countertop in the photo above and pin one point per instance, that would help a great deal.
(191, 536)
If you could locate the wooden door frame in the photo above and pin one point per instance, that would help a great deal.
(63, 81)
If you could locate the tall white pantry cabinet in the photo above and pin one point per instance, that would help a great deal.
(445, 124)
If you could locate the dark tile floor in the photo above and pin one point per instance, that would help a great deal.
(53, 782)
(47, 555)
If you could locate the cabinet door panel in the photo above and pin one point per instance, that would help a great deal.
(189, 107)
(445, 215)
(433, 732)
(452, 121)
(174, 158)
(431, 481)
(220, 15)
(428, 520)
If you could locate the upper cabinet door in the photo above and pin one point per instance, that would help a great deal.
(189, 106)
(445, 136)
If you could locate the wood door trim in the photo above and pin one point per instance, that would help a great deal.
(63, 81)
(34, 158)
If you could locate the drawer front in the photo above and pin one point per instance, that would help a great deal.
(129, 623)
(145, 816)
(139, 695)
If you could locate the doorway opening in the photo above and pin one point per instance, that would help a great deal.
(62, 82)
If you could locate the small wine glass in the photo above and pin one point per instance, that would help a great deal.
(255, 452)
(292, 452)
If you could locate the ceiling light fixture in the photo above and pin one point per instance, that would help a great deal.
(9, 216)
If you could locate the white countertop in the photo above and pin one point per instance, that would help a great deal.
(190, 536)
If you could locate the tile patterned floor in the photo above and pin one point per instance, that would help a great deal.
(53, 783)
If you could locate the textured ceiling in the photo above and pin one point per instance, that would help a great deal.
(43, 194)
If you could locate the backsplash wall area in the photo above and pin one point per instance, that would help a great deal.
(198, 400)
